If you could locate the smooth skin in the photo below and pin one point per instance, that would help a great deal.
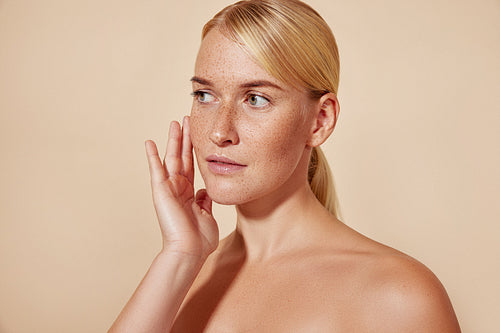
(290, 266)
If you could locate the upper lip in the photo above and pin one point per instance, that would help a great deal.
(222, 159)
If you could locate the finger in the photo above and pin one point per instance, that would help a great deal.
(172, 160)
(187, 151)
(203, 201)
(156, 170)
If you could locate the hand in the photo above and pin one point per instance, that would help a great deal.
(187, 224)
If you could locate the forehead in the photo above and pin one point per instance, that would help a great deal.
(221, 59)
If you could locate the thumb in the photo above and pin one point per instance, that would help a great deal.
(203, 201)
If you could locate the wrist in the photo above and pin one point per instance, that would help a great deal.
(181, 259)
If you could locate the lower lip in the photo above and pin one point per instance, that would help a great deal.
(224, 168)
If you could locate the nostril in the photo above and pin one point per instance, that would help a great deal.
(224, 138)
(223, 131)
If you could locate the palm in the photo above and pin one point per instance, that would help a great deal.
(186, 220)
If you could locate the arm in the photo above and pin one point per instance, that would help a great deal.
(189, 234)
(154, 304)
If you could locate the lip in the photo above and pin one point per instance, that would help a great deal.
(222, 165)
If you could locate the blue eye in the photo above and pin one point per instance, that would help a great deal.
(256, 100)
(203, 96)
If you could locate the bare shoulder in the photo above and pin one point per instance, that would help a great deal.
(382, 289)
(403, 295)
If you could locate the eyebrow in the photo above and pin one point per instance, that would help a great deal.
(251, 84)
(201, 81)
(260, 83)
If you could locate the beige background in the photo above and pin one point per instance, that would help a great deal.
(83, 83)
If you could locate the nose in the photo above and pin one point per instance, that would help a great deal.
(224, 131)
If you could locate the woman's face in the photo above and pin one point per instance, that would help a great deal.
(249, 130)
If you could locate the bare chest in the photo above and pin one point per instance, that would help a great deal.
(277, 299)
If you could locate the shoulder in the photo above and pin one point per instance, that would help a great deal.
(403, 295)
(388, 290)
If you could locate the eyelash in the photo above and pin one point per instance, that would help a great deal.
(196, 94)
(248, 96)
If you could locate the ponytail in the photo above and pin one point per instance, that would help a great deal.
(321, 181)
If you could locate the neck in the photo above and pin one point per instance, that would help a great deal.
(277, 224)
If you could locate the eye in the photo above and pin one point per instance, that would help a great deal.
(203, 96)
(256, 100)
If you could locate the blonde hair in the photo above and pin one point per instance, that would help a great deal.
(293, 43)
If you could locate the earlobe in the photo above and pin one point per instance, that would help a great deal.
(326, 116)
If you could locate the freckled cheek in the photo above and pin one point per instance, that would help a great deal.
(198, 139)
(198, 129)
(286, 139)
(287, 154)
(277, 154)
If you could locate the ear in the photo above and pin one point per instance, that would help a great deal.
(325, 117)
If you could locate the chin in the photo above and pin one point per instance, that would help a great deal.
(241, 189)
(227, 196)
(233, 192)
(224, 191)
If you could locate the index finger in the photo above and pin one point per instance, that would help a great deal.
(172, 159)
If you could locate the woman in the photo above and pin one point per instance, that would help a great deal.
(264, 89)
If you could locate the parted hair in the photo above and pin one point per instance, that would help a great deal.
(293, 43)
